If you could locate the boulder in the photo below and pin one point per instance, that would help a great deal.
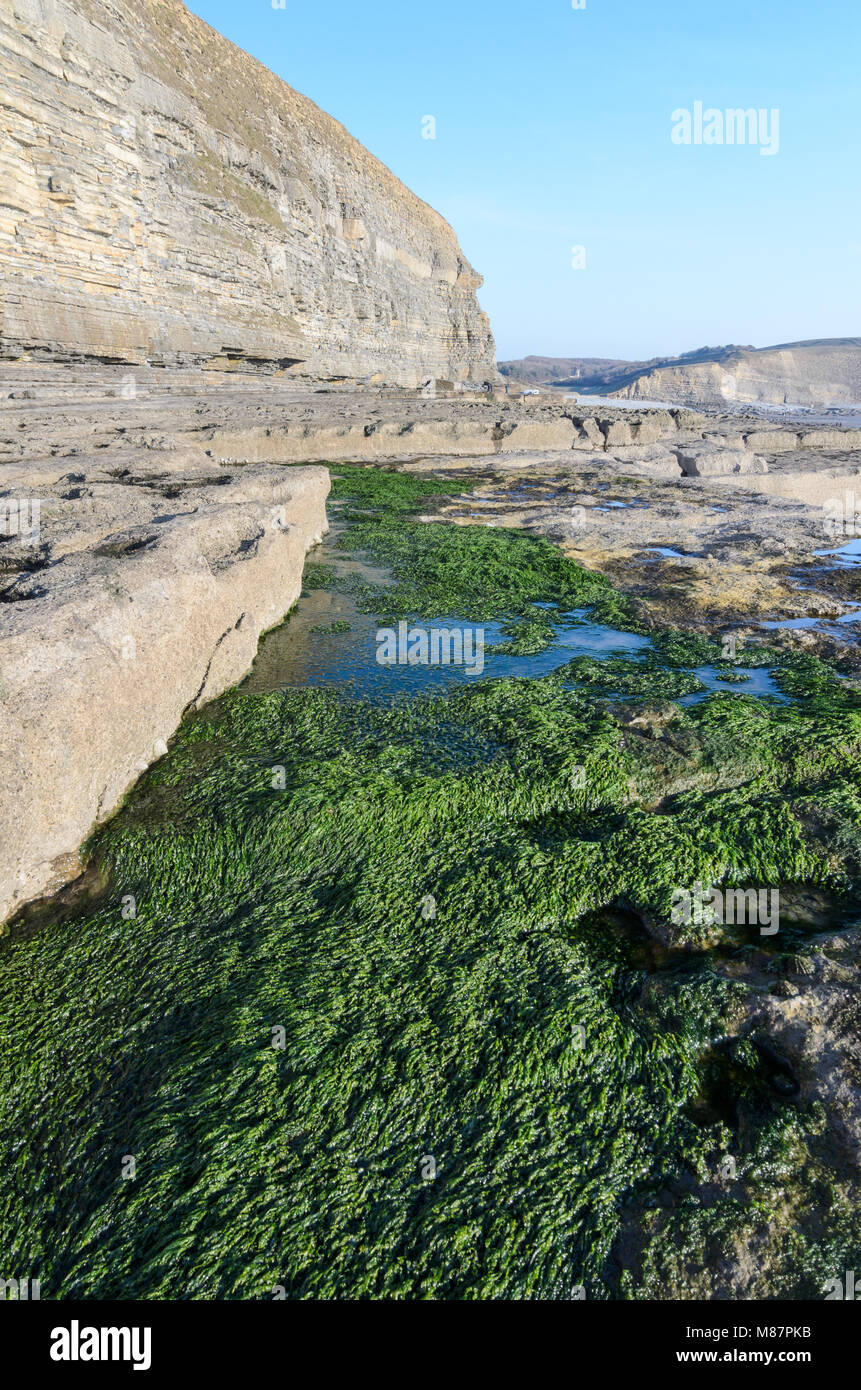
(155, 609)
(771, 441)
(709, 460)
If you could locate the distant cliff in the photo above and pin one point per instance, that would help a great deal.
(820, 372)
(166, 198)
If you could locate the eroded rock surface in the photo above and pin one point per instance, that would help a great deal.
(142, 595)
(817, 372)
(166, 198)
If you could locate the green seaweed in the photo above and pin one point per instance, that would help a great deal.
(645, 678)
(529, 635)
(339, 625)
(480, 573)
(354, 1001)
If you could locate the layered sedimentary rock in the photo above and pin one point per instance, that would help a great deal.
(160, 550)
(704, 459)
(811, 373)
(46, 410)
(138, 590)
(166, 198)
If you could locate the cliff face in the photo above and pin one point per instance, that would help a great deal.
(813, 373)
(164, 197)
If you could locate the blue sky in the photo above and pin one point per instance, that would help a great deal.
(553, 131)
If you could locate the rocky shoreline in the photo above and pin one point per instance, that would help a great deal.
(370, 935)
(168, 540)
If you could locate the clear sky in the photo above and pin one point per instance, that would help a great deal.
(553, 131)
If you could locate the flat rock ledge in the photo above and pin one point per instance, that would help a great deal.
(142, 595)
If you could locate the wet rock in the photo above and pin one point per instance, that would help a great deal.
(651, 718)
(816, 1024)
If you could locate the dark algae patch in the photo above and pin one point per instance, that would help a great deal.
(625, 676)
(388, 1000)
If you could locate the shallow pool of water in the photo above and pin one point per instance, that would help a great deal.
(792, 624)
(759, 682)
(327, 641)
(669, 554)
(302, 652)
(834, 627)
(846, 556)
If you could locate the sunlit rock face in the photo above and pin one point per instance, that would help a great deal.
(166, 198)
(814, 373)
(144, 597)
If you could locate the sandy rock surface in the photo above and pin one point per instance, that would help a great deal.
(142, 596)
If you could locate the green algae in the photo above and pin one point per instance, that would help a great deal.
(480, 573)
(349, 1001)
(384, 493)
(528, 636)
(732, 677)
(646, 679)
(339, 625)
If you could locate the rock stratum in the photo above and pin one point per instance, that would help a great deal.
(140, 593)
(164, 198)
(826, 372)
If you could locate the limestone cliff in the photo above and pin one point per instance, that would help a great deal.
(826, 372)
(166, 198)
